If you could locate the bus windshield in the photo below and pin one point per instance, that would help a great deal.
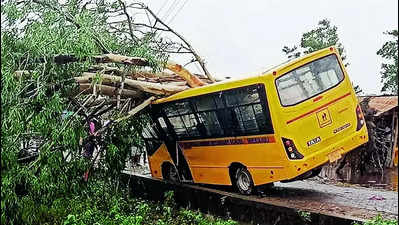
(309, 80)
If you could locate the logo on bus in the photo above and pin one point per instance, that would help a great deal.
(339, 129)
(314, 141)
(324, 118)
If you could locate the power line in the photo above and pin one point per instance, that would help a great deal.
(163, 5)
(166, 15)
(169, 11)
(178, 11)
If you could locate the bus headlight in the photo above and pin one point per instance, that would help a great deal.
(291, 150)
(360, 118)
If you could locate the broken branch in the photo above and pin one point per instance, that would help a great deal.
(154, 88)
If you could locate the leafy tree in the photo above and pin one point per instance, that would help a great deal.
(42, 106)
(32, 105)
(389, 73)
(323, 36)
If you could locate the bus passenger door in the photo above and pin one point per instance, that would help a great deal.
(175, 152)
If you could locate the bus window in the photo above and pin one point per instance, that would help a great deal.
(248, 118)
(227, 113)
(178, 126)
(182, 118)
(211, 123)
(246, 109)
(150, 134)
(163, 124)
(309, 80)
(191, 124)
(206, 107)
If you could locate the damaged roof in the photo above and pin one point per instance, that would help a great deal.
(381, 104)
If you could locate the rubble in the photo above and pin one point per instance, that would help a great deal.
(381, 117)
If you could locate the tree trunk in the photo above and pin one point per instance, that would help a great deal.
(87, 88)
(114, 58)
(153, 88)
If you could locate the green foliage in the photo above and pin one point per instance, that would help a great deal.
(323, 36)
(50, 189)
(378, 220)
(118, 209)
(305, 216)
(389, 73)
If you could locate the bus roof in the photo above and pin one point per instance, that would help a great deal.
(239, 81)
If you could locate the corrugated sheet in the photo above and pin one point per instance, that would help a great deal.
(381, 103)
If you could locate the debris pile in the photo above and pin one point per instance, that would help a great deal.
(381, 117)
(115, 88)
(380, 113)
(112, 81)
(116, 79)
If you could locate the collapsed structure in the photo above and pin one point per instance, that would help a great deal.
(381, 113)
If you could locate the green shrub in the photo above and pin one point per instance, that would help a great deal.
(378, 220)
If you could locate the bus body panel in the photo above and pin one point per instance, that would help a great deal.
(210, 164)
(160, 156)
(304, 121)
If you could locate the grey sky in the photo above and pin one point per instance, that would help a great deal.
(238, 38)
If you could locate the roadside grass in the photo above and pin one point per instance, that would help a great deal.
(378, 220)
(117, 208)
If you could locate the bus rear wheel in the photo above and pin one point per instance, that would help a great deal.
(243, 181)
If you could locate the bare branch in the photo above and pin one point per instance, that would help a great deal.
(129, 21)
(198, 58)
(152, 27)
(137, 109)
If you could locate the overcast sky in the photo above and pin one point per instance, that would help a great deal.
(237, 38)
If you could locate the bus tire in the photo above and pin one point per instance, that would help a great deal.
(243, 181)
(169, 172)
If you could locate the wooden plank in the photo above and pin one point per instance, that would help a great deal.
(394, 135)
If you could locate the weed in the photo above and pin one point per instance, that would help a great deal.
(378, 220)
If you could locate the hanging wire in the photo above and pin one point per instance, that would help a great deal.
(170, 9)
(177, 12)
(163, 5)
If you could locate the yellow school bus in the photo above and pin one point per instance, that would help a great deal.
(281, 125)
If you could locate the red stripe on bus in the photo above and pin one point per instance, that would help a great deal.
(320, 107)
(317, 98)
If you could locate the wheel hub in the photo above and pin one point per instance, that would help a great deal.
(243, 181)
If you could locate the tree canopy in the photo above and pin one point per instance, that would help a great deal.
(324, 35)
(43, 107)
(389, 69)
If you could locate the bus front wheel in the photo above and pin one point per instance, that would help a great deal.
(243, 181)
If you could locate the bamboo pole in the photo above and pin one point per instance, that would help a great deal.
(114, 58)
(153, 88)
(137, 109)
(88, 88)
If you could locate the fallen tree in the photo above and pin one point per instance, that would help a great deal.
(70, 67)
